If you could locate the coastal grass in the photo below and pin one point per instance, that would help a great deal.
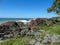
(53, 29)
(16, 41)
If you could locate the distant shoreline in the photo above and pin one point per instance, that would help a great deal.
(2, 20)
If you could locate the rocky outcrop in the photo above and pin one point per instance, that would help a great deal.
(31, 29)
(41, 21)
(44, 21)
(48, 39)
(34, 25)
(10, 29)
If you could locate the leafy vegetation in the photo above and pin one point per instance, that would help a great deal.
(55, 7)
(53, 29)
(15, 41)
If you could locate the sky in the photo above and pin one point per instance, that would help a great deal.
(25, 9)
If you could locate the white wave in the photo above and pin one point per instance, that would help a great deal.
(24, 21)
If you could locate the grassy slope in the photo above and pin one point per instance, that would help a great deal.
(13, 42)
(16, 41)
(54, 29)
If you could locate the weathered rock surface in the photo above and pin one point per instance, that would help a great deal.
(47, 39)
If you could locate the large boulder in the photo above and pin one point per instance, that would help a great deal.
(40, 21)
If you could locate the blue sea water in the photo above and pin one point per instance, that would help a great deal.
(2, 20)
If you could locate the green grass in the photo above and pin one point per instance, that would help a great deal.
(14, 41)
(53, 29)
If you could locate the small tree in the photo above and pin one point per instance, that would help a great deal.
(55, 7)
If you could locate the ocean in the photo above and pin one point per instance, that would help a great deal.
(2, 20)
